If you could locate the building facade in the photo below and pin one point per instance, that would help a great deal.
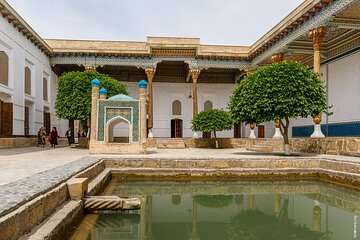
(184, 76)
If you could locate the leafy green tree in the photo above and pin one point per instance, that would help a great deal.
(73, 100)
(279, 91)
(212, 121)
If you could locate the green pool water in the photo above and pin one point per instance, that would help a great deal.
(228, 210)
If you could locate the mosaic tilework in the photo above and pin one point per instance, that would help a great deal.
(129, 110)
(350, 129)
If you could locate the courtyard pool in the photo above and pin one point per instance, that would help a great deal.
(228, 210)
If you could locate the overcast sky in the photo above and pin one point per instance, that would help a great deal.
(236, 22)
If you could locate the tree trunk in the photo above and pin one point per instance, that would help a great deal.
(216, 141)
(284, 132)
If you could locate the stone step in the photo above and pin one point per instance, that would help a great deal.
(268, 146)
(170, 143)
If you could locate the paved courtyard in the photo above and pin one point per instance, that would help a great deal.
(18, 163)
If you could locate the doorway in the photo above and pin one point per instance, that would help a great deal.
(6, 119)
(27, 121)
(237, 130)
(261, 131)
(176, 128)
(47, 124)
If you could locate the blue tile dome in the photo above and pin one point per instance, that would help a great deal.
(103, 91)
(95, 82)
(121, 97)
(142, 84)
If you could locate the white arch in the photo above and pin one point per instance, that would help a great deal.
(109, 129)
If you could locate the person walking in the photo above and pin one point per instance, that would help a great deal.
(42, 136)
(70, 136)
(54, 136)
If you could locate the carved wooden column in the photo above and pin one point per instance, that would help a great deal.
(277, 58)
(150, 73)
(317, 36)
(195, 75)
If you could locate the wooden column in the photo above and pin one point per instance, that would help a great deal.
(317, 36)
(150, 73)
(195, 75)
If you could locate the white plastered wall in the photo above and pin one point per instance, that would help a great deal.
(165, 93)
(22, 53)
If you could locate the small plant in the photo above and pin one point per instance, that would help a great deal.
(212, 121)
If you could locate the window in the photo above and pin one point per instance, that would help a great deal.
(4, 68)
(45, 89)
(176, 107)
(27, 80)
(208, 105)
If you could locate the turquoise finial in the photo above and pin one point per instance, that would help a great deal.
(142, 84)
(95, 82)
(103, 91)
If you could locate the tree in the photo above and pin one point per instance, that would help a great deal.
(73, 100)
(212, 121)
(278, 92)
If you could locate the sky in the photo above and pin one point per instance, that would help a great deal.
(231, 22)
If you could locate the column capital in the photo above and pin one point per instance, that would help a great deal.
(317, 36)
(195, 74)
(277, 57)
(150, 73)
(90, 68)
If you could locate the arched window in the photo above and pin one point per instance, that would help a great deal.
(45, 89)
(4, 68)
(176, 107)
(27, 80)
(208, 105)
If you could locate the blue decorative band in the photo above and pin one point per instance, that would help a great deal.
(349, 129)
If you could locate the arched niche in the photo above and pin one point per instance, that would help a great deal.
(208, 105)
(115, 125)
(176, 107)
(4, 68)
(27, 80)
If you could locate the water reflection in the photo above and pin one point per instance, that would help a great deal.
(228, 210)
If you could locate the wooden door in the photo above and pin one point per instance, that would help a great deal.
(6, 128)
(261, 131)
(237, 130)
(206, 134)
(176, 128)
(26, 121)
(47, 123)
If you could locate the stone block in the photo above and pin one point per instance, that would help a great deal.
(219, 163)
(78, 188)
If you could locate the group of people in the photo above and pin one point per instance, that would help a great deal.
(52, 138)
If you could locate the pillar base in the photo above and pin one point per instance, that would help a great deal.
(252, 133)
(150, 135)
(195, 135)
(317, 132)
(277, 133)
